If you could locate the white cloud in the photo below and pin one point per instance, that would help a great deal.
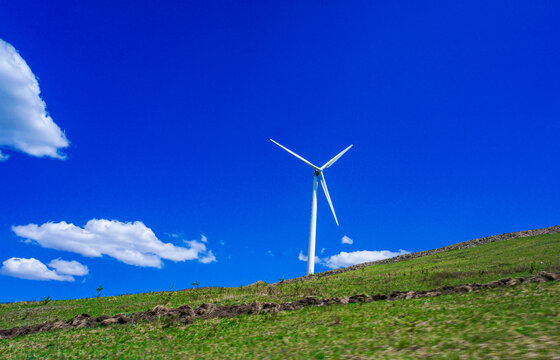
(204, 256)
(131, 243)
(69, 267)
(344, 259)
(347, 240)
(208, 258)
(31, 269)
(25, 124)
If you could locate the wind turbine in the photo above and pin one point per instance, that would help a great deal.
(318, 173)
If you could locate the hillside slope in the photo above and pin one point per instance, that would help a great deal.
(487, 262)
(417, 325)
(515, 323)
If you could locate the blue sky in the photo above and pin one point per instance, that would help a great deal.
(167, 109)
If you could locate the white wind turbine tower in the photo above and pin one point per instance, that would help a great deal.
(318, 173)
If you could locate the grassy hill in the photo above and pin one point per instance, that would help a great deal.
(519, 321)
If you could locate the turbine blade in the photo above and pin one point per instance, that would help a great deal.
(296, 155)
(332, 161)
(324, 184)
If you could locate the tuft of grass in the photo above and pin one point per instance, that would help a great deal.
(99, 289)
(46, 300)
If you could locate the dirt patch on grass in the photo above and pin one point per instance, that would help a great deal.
(186, 314)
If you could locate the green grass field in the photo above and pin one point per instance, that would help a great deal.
(518, 322)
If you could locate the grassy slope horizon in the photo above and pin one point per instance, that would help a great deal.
(488, 262)
(323, 273)
(530, 316)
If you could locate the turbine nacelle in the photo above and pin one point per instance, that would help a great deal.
(319, 171)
